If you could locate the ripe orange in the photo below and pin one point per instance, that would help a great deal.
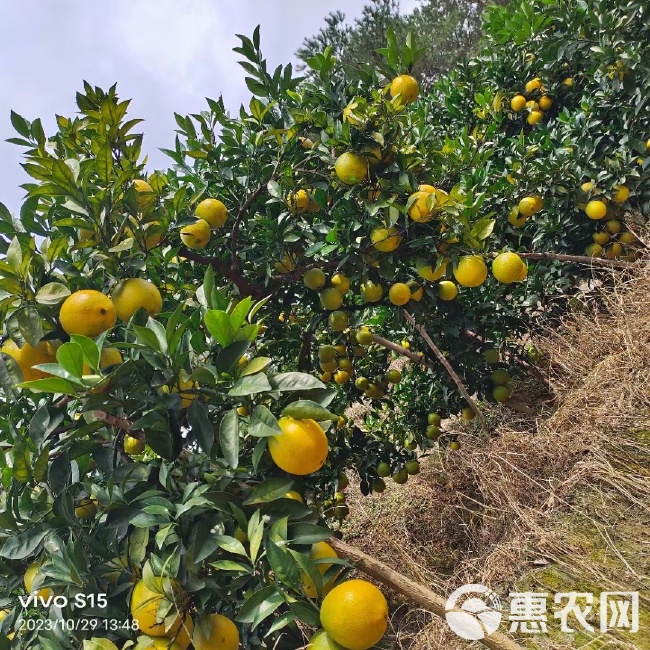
(331, 298)
(532, 85)
(406, 87)
(298, 202)
(287, 264)
(87, 312)
(518, 103)
(133, 446)
(371, 292)
(385, 240)
(145, 603)
(596, 209)
(530, 205)
(213, 211)
(534, 117)
(355, 614)
(419, 210)
(447, 290)
(508, 268)
(622, 194)
(471, 271)
(27, 357)
(301, 448)
(134, 293)
(32, 571)
(399, 294)
(351, 168)
(196, 235)
(340, 282)
(429, 271)
(545, 102)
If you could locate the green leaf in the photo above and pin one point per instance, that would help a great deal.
(262, 423)
(18, 547)
(290, 381)
(308, 614)
(146, 520)
(52, 293)
(283, 565)
(308, 534)
(22, 126)
(229, 565)
(307, 410)
(42, 463)
(257, 364)
(147, 337)
(99, 643)
(483, 228)
(218, 324)
(230, 544)
(159, 330)
(260, 606)
(71, 357)
(229, 356)
(201, 426)
(250, 385)
(90, 349)
(21, 470)
(104, 162)
(229, 438)
(15, 256)
(270, 490)
(240, 312)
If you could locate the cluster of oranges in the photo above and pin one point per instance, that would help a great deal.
(534, 100)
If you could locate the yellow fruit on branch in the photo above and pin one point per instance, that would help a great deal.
(622, 193)
(534, 117)
(322, 641)
(145, 603)
(183, 637)
(314, 278)
(338, 320)
(301, 448)
(331, 298)
(86, 509)
(355, 614)
(31, 574)
(406, 87)
(351, 168)
(319, 551)
(420, 210)
(447, 290)
(596, 209)
(518, 103)
(151, 236)
(429, 271)
(545, 102)
(87, 312)
(533, 85)
(341, 283)
(134, 293)
(471, 271)
(298, 202)
(508, 268)
(161, 643)
(145, 195)
(133, 446)
(385, 240)
(530, 205)
(371, 292)
(27, 357)
(218, 632)
(196, 235)
(399, 294)
(372, 153)
(213, 211)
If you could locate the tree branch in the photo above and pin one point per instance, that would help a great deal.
(307, 339)
(234, 233)
(245, 289)
(120, 423)
(577, 259)
(414, 591)
(452, 373)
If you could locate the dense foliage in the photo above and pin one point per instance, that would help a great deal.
(240, 341)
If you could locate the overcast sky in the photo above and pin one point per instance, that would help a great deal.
(166, 55)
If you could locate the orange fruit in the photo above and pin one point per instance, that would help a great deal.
(399, 294)
(518, 103)
(351, 168)
(213, 211)
(134, 293)
(145, 603)
(355, 614)
(301, 448)
(87, 312)
(385, 240)
(221, 634)
(471, 271)
(27, 357)
(406, 87)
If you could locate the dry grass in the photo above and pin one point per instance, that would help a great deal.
(562, 497)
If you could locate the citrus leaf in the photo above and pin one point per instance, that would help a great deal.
(229, 438)
(257, 364)
(52, 293)
(262, 423)
(270, 490)
(18, 547)
(230, 544)
(307, 410)
(283, 565)
(71, 357)
(200, 425)
(250, 385)
(289, 381)
(260, 606)
(218, 324)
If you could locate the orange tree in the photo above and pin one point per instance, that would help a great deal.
(180, 347)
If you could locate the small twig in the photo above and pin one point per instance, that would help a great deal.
(120, 423)
(245, 289)
(452, 373)
(234, 234)
(395, 347)
(414, 591)
(307, 339)
(578, 259)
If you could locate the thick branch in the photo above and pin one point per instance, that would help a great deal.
(395, 347)
(577, 259)
(415, 592)
(452, 373)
